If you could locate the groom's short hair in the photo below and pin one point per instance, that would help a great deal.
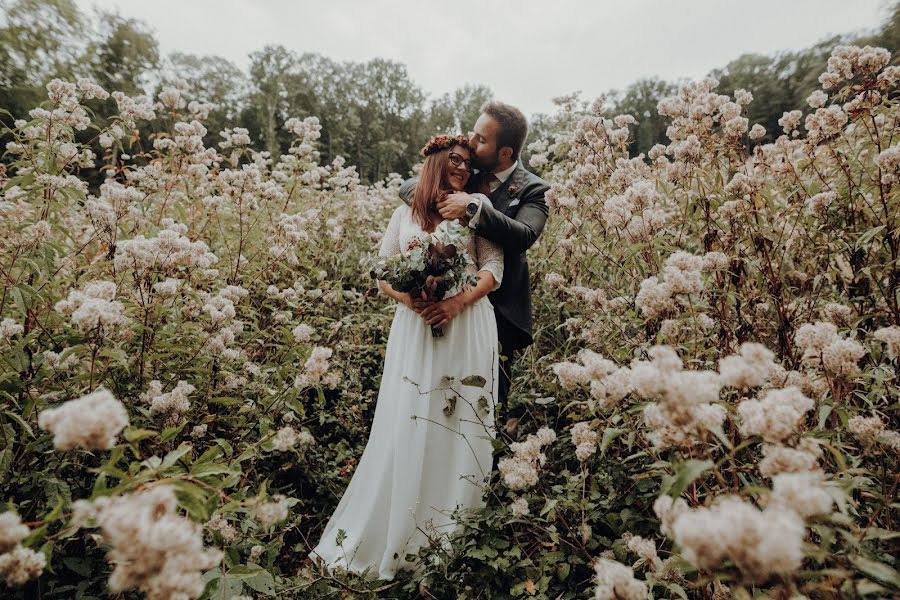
(513, 125)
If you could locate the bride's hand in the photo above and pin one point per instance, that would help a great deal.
(415, 303)
(442, 312)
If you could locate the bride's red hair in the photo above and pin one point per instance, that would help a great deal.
(429, 187)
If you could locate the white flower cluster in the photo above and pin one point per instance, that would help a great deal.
(890, 337)
(165, 253)
(519, 507)
(307, 130)
(804, 492)
(315, 367)
(172, 403)
(615, 581)
(872, 430)
(685, 409)
(287, 437)
(239, 136)
(776, 416)
(823, 347)
(779, 459)
(91, 422)
(93, 307)
(639, 213)
(9, 328)
(847, 62)
(302, 333)
(749, 368)
(520, 471)
(790, 120)
(270, 513)
(818, 204)
(584, 439)
(220, 526)
(643, 547)
(18, 564)
(131, 109)
(889, 163)
(153, 548)
(825, 122)
(759, 543)
(681, 276)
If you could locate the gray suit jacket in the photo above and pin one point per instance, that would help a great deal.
(514, 222)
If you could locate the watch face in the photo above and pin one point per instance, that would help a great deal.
(471, 208)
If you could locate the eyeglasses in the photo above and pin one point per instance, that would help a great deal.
(458, 160)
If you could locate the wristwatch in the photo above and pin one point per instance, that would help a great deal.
(471, 208)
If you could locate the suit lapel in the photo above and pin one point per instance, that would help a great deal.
(501, 198)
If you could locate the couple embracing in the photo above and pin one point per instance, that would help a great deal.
(422, 460)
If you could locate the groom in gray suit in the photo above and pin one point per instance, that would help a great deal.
(513, 219)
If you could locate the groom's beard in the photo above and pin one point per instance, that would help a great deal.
(485, 165)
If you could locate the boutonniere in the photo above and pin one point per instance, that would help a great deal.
(512, 189)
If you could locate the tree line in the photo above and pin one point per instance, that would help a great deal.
(372, 112)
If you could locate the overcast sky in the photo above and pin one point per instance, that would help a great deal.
(527, 51)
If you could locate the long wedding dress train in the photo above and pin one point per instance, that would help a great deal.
(422, 459)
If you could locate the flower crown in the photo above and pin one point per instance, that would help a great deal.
(444, 141)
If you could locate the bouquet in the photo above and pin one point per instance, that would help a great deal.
(430, 266)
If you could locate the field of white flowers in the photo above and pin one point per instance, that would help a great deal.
(189, 356)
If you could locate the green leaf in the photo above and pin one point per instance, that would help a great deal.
(78, 565)
(878, 570)
(263, 583)
(135, 434)
(173, 456)
(686, 473)
(609, 434)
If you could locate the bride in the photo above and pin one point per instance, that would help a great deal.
(429, 449)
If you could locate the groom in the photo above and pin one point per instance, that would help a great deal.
(513, 219)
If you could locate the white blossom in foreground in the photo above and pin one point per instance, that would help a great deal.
(91, 422)
(21, 564)
(805, 492)
(784, 459)
(759, 543)
(153, 548)
(749, 368)
(776, 416)
(615, 581)
(685, 410)
(12, 531)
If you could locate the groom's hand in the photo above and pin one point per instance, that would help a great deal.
(442, 312)
(453, 206)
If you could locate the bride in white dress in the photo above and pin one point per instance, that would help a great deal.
(422, 459)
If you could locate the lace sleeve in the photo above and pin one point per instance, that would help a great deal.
(489, 258)
(390, 241)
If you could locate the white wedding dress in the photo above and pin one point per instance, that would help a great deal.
(420, 463)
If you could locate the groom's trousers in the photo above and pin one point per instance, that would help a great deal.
(510, 339)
